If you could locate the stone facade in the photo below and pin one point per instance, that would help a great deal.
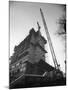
(31, 49)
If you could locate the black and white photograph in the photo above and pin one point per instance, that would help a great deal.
(37, 44)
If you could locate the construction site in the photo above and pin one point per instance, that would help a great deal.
(28, 67)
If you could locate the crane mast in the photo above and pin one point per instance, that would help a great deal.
(50, 42)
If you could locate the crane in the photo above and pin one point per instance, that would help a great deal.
(49, 40)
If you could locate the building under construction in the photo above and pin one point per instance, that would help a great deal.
(28, 67)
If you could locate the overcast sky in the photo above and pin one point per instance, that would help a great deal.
(24, 16)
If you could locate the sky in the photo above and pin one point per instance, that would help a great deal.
(24, 16)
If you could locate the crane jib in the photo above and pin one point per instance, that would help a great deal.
(50, 42)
